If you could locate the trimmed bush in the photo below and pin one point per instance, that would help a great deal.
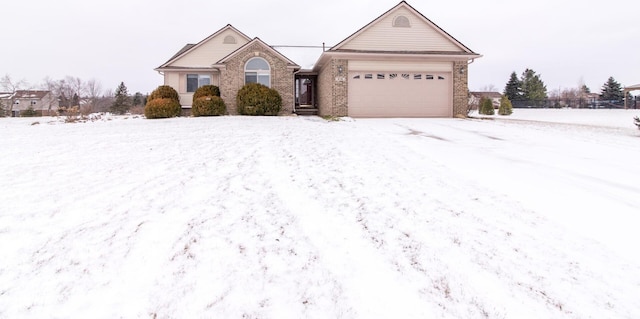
(257, 99)
(164, 92)
(158, 108)
(30, 112)
(208, 106)
(486, 107)
(505, 106)
(206, 90)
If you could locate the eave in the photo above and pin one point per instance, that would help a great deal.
(394, 56)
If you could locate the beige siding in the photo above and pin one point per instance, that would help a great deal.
(178, 81)
(211, 51)
(383, 36)
(172, 79)
(399, 66)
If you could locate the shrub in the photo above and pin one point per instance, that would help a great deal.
(208, 106)
(257, 99)
(206, 90)
(505, 106)
(486, 106)
(30, 112)
(158, 108)
(636, 121)
(164, 92)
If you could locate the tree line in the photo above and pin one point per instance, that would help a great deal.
(85, 96)
(530, 90)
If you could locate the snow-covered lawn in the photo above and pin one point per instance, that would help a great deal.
(297, 217)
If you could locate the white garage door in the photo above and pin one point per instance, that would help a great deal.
(400, 94)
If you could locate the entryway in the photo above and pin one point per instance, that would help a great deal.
(305, 88)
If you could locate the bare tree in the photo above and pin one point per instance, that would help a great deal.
(9, 85)
(489, 88)
(93, 88)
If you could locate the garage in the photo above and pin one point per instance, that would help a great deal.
(396, 89)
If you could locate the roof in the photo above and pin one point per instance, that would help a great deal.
(633, 87)
(263, 44)
(190, 47)
(30, 94)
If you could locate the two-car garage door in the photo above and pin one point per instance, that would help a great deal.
(388, 89)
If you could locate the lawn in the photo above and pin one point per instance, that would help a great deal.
(529, 216)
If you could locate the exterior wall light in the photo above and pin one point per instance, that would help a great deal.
(340, 69)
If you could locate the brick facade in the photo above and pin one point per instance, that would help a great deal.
(232, 77)
(460, 88)
(333, 88)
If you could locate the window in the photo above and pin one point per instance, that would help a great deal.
(380, 76)
(440, 77)
(368, 76)
(229, 40)
(357, 77)
(417, 76)
(405, 76)
(257, 71)
(34, 102)
(429, 77)
(194, 81)
(401, 22)
(393, 76)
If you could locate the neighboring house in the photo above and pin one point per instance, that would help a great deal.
(43, 102)
(399, 65)
(474, 99)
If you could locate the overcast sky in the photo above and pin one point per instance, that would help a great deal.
(565, 41)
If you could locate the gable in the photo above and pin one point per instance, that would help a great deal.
(210, 50)
(402, 29)
(257, 43)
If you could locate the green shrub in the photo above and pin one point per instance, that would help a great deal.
(164, 92)
(158, 108)
(505, 106)
(486, 107)
(206, 90)
(257, 99)
(208, 106)
(30, 112)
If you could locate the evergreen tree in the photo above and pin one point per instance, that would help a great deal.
(505, 106)
(137, 99)
(533, 89)
(636, 121)
(513, 89)
(611, 90)
(486, 107)
(585, 89)
(122, 101)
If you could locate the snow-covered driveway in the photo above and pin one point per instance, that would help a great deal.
(239, 217)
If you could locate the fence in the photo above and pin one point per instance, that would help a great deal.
(575, 103)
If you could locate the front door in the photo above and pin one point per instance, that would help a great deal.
(305, 90)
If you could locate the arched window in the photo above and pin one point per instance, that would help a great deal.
(402, 22)
(257, 70)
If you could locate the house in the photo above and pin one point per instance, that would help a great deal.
(42, 102)
(474, 99)
(401, 64)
